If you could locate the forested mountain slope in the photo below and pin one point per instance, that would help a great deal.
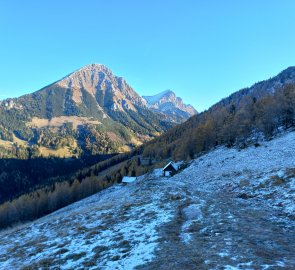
(90, 111)
(260, 110)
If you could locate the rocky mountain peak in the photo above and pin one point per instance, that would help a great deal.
(100, 82)
(167, 94)
(168, 103)
(86, 77)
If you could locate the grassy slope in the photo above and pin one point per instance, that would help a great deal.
(197, 219)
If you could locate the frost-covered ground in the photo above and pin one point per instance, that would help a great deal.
(229, 209)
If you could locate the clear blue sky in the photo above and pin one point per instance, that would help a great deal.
(203, 50)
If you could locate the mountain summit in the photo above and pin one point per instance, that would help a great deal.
(168, 103)
(109, 91)
(89, 111)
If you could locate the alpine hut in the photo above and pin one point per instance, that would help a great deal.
(169, 169)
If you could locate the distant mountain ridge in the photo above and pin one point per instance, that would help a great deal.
(91, 110)
(264, 109)
(262, 88)
(171, 105)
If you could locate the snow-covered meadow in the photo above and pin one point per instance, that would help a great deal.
(230, 209)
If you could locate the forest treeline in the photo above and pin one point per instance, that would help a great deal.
(19, 176)
(58, 192)
(237, 122)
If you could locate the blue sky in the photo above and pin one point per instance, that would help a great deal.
(203, 50)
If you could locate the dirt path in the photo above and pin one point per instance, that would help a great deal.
(220, 231)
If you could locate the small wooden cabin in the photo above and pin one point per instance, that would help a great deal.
(128, 179)
(169, 169)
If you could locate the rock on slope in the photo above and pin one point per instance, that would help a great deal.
(172, 106)
(229, 209)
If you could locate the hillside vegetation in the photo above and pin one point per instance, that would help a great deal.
(20, 176)
(231, 122)
(47, 195)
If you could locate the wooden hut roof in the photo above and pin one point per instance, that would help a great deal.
(170, 164)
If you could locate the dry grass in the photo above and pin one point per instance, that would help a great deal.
(19, 141)
(91, 234)
(76, 256)
(59, 121)
(115, 258)
(42, 264)
(81, 229)
(113, 136)
(244, 183)
(6, 144)
(89, 263)
(61, 152)
(63, 244)
(61, 251)
(98, 250)
(290, 173)
(277, 181)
